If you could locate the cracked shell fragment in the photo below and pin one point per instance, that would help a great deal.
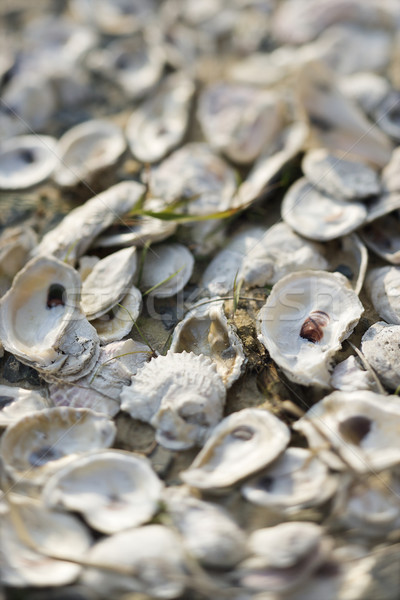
(380, 345)
(16, 402)
(112, 489)
(26, 161)
(304, 321)
(243, 443)
(180, 395)
(167, 268)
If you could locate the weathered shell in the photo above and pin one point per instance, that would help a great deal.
(382, 237)
(153, 557)
(305, 319)
(243, 443)
(380, 345)
(114, 17)
(37, 445)
(167, 268)
(113, 490)
(26, 161)
(238, 120)
(53, 534)
(383, 285)
(118, 322)
(16, 243)
(180, 395)
(382, 205)
(87, 149)
(160, 123)
(108, 282)
(348, 256)
(75, 233)
(338, 177)
(366, 89)
(318, 216)
(296, 480)
(349, 376)
(205, 330)
(17, 402)
(359, 427)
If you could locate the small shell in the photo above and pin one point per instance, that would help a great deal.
(243, 443)
(158, 125)
(296, 480)
(37, 445)
(380, 345)
(349, 376)
(361, 428)
(17, 402)
(318, 216)
(108, 283)
(87, 149)
(181, 395)
(205, 330)
(167, 268)
(383, 286)
(113, 490)
(118, 322)
(305, 319)
(338, 177)
(26, 161)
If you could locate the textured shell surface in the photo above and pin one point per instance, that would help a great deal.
(160, 123)
(86, 149)
(296, 480)
(180, 395)
(16, 402)
(59, 535)
(205, 330)
(74, 234)
(16, 243)
(153, 553)
(349, 256)
(305, 319)
(317, 216)
(113, 490)
(349, 376)
(118, 322)
(243, 443)
(26, 160)
(361, 428)
(114, 17)
(38, 444)
(338, 177)
(380, 345)
(167, 268)
(239, 120)
(382, 237)
(108, 282)
(383, 285)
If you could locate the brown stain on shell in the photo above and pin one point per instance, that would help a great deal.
(312, 328)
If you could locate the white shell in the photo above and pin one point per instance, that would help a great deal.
(366, 89)
(238, 120)
(75, 233)
(243, 443)
(108, 282)
(338, 177)
(387, 116)
(163, 261)
(37, 445)
(114, 17)
(318, 216)
(113, 490)
(349, 256)
(86, 149)
(181, 395)
(17, 402)
(380, 345)
(383, 286)
(15, 245)
(158, 125)
(305, 319)
(205, 330)
(296, 480)
(349, 376)
(361, 428)
(118, 322)
(26, 161)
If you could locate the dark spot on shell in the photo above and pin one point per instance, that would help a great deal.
(265, 483)
(346, 271)
(320, 123)
(328, 569)
(311, 329)
(43, 455)
(243, 432)
(5, 401)
(354, 429)
(122, 61)
(28, 156)
(55, 295)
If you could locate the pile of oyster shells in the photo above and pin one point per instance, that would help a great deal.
(200, 300)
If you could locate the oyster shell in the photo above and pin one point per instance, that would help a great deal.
(37, 445)
(380, 345)
(16, 402)
(317, 216)
(16, 243)
(205, 330)
(112, 489)
(360, 427)
(349, 256)
(382, 237)
(74, 234)
(305, 319)
(118, 322)
(26, 161)
(387, 115)
(367, 90)
(87, 149)
(383, 286)
(180, 395)
(108, 282)
(167, 268)
(160, 123)
(349, 376)
(243, 443)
